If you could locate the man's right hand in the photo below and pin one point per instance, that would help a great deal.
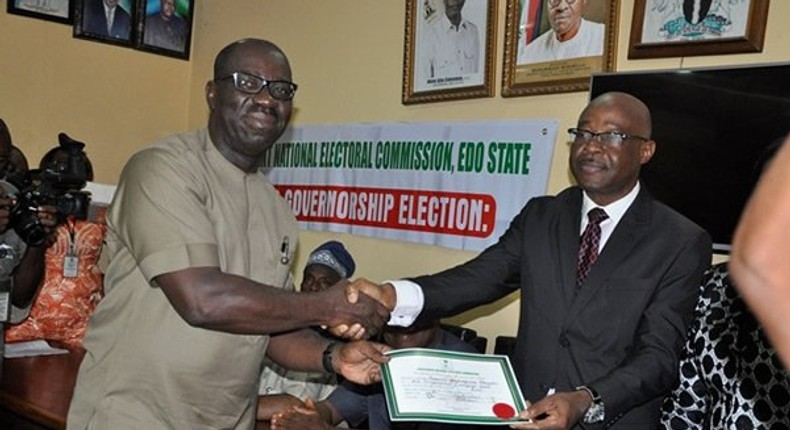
(384, 293)
(365, 314)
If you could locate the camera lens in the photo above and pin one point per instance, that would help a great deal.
(30, 230)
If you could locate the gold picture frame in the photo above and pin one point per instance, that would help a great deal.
(432, 73)
(732, 27)
(534, 63)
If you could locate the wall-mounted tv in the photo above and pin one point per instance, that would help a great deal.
(713, 129)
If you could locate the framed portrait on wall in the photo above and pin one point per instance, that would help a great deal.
(166, 27)
(553, 46)
(50, 10)
(677, 28)
(448, 51)
(107, 21)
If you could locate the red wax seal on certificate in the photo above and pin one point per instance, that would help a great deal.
(503, 410)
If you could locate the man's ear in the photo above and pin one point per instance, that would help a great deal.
(646, 151)
(211, 94)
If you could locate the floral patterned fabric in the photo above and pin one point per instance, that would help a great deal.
(64, 304)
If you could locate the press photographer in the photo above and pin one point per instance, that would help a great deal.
(21, 266)
(56, 184)
(72, 284)
(32, 204)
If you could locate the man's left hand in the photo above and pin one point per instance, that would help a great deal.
(359, 361)
(48, 217)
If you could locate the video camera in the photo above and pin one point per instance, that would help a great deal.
(56, 184)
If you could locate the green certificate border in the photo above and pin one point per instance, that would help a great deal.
(396, 414)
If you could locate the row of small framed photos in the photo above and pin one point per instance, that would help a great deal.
(449, 46)
(159, 26)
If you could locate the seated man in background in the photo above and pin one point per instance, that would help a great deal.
(730, 375)
(356, 404)
(21, 264)
(281, 388)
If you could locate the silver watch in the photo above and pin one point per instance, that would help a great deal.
(595, 413)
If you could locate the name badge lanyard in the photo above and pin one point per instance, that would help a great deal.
(71, 261)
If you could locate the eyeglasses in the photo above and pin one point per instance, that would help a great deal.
(251, 84)
(554, 3)
(610, 139)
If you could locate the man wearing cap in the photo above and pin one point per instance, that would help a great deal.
(281, 388)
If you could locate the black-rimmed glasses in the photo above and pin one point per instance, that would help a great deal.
(251, 84)
(605, 138)
(554, 3)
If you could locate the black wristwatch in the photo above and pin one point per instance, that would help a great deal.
(595, 413)
(326, 358)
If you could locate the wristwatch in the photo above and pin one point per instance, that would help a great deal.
(326, 358)
(595, 413)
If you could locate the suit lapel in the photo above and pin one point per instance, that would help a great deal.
(568, 243)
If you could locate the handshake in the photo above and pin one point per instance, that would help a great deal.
(359, 309)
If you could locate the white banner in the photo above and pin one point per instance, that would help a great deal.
(456, 185)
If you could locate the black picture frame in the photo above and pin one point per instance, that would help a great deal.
(90, 22)
(160, 36)
(61, 11)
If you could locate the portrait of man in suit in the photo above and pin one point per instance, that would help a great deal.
(165, 27)
(108, 18)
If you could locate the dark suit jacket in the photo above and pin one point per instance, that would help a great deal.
(622, 333)
(95, 21)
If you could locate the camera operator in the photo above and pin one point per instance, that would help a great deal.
(72, 284)
(21, 265)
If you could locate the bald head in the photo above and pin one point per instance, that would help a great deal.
(245, 117)
(227, 58)
(630, 108)
(607, 171)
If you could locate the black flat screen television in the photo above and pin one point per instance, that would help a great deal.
(714, 128)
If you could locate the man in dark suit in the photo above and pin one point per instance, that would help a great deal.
(106, 18)
(597, 348)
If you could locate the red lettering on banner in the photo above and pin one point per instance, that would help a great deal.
(461, 214)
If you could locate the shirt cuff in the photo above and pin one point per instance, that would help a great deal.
(408, 305)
